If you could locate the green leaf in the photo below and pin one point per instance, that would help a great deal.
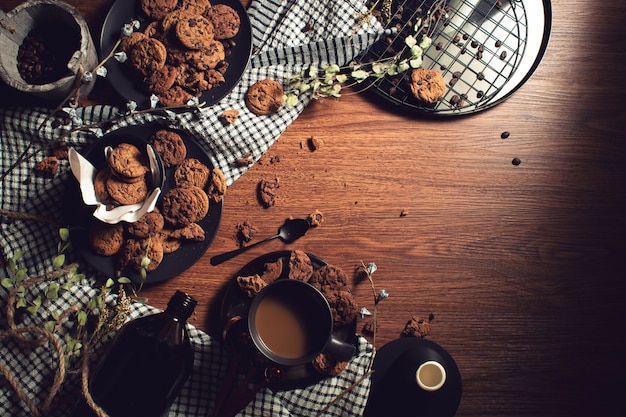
(64, 234)
(52, 293)
(359, 75)
(7, 283)
(49, 326)
(58, 261)
(144, 274)
(37, 301)
(332, 69)
(76, 278)
(55, 314)
(341, 78)
(124, 280)
(290, 101)
(109, 283)
(416, 62)
(33, 310)
(145, 261)
(416, 51)
(21, 303)
(410, 41)
(82, 318)
(425, 42)
(11, 266)
(20, 291)
(20, 275)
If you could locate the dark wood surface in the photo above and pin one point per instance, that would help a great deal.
(522, 266)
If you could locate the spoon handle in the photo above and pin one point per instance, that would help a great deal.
(218, 259)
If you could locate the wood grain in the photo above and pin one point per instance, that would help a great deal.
(522, 266)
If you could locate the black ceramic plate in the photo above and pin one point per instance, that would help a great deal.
(79, 216)
(235, 304)
(123, 80)
(391, 396)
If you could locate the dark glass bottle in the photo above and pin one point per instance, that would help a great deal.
(148, 363)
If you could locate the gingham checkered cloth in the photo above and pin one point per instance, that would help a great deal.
(281, 47)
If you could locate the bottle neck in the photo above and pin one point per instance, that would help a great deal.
(181, 306)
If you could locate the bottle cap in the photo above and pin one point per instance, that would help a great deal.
(182, 304)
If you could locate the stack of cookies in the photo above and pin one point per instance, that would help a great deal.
(182, 51)
(175, 219)
(123, 180)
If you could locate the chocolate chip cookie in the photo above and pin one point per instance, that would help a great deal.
(179, 207)
(127, 192)
(157, 9)
(192, 172)
(147, 56)
(149, 224)
(106, 239)
(264, 97)
(427, 85)
(195, 32)
(226, 21)
(127, 161)
(170, 146)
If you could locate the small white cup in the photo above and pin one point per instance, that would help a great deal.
(430, 376)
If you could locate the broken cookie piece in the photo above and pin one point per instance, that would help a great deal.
(268, 192)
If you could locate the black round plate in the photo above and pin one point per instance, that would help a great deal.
(235, 304)
(79, 216)
(390, 396)
(122, 79)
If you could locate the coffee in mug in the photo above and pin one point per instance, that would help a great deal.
(430, 376)
(290, 323)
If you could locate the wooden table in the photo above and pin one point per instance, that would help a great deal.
(523, 266)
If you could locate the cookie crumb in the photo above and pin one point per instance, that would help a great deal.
(327, 364)
(245, 233)
(314, 143)
(417, 327)
(404, 213)
(229, 117)
(368, 327)
(268, 192)
(245, 161)
(316, 218)
(48, 166)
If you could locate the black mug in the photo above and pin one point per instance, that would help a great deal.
(291, 322)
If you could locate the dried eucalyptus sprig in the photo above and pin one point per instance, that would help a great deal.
(331, 79)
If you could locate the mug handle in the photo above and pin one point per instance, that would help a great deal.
(342, 351)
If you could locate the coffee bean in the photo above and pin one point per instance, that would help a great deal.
(498, 43)
(503, 55)
(480, 76)
(516, 161)
(505, 135)
(474, 44)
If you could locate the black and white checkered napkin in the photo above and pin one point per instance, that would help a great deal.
(334, 34)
